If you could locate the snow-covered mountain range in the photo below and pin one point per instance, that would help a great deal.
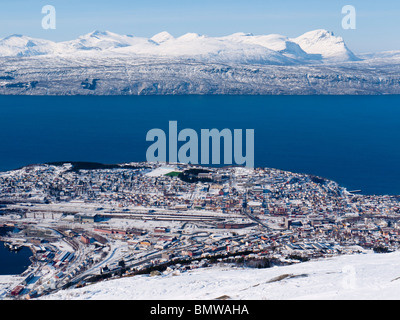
(317, 62)
(316, 46)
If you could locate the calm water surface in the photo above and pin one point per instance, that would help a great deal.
(11, 262)
(353, 140)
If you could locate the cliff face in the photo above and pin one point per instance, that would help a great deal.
(45, 75)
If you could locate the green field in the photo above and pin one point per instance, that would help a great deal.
(173, 174)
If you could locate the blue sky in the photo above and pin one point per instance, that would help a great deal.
(378, 23)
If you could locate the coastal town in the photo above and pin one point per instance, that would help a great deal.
(88, 222)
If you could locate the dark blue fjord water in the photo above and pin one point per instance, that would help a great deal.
(12, 262)
(354, 140)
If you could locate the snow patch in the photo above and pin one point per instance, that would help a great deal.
(364, 276)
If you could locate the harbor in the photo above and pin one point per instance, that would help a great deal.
(15, 258)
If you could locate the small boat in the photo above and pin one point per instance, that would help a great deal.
(13, 247)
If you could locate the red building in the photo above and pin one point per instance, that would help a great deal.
(85, 240)
(16, 291)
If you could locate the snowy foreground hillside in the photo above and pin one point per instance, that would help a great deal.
(365, 276)
(106, 63)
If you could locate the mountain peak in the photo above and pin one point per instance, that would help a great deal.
(191, 36)
(321, 33)
(241, 34)
(326, 44)
(317, 36)
(162, 37)
(97, 33)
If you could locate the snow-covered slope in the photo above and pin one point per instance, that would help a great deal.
(21, 46)
(162, 37)
(225, 50)
(137, 75)
(275, 42)
(102, 41)
(326, 44)
(362, 277)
